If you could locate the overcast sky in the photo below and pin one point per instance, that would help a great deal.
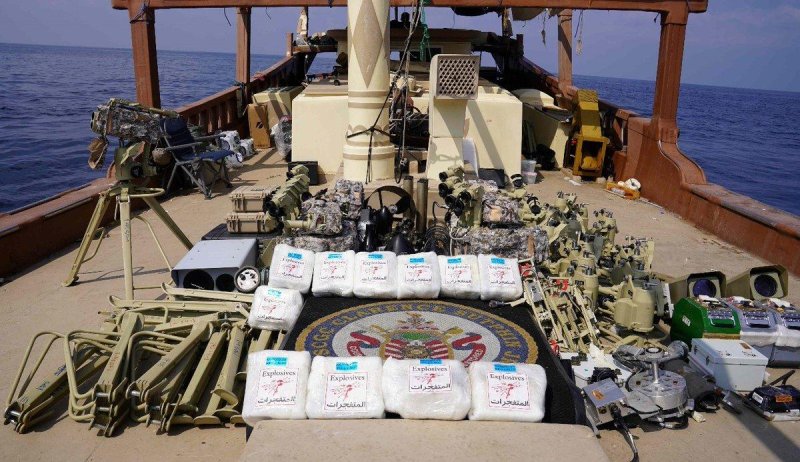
(739, 43)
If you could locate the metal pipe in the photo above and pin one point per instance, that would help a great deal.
(408, 186)
(421, 203)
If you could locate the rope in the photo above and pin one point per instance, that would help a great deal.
(403, 58)
(579, 34)
(142, 16)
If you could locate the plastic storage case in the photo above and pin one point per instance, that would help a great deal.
(734, 364)
(246, 222)
(249, 198)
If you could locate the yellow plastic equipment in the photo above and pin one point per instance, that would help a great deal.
(588, 141)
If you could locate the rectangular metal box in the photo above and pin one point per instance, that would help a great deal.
(734, 364)
(787, 347)
(703, 317)
(212, 265)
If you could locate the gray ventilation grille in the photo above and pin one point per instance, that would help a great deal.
(456, 76)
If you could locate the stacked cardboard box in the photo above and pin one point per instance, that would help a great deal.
(267, 109)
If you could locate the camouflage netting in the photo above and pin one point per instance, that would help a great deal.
(349, 195)
(118, 118)
(500, 210)
(523, 242)
(325, 217)
(346, 240)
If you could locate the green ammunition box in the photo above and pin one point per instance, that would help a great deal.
(707, 318)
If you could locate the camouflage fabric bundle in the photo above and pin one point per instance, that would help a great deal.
(489, 186)
(510, 243)
(127, 120)
(345, 241)
(325, 217)
(313, 243)
(500, 210)
(349, 195)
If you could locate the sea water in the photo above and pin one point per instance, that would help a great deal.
(745, 140)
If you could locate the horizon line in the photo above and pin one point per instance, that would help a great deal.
(278, 55)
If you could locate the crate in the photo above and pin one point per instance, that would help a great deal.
(245, 222)
(249, 198)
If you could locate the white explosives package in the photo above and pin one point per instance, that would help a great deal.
(426, 388)
(511, 392)
(291, 268)
(500, 278)
(276, 385)
(376, 275)
(275, 309)
(460, 277)
(345, 388)
(418, 276)
(333, 273)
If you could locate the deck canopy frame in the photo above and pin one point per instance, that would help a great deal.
(674, 16)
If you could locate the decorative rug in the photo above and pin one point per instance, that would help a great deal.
(467, 330)
(414, 329)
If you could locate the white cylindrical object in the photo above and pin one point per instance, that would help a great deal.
(367, 87)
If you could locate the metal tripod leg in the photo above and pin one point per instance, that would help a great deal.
(125, 231)
(88, 237)
(159, 210)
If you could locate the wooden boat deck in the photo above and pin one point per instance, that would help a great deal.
(34, 300)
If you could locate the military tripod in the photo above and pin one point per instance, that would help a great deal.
(124, 191)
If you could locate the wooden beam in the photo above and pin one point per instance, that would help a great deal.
(243, 46)
(662, 6)
(145, 59)
(564, 49)
(668, 79)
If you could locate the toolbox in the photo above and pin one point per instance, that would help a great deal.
(787, 346)
(247, 222)
(734, 364)
(250, 198)
(757, 323)
(703, 317)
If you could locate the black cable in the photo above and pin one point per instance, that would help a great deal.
(622, 427)
(373, 128)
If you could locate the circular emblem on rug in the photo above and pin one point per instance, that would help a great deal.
(418, 329)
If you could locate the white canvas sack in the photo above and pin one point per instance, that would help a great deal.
(509, 392)
(345, 388)
(276, 385)
(418, 276)
(426, 388)
(291, 268)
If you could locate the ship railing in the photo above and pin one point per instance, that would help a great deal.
(226, 109)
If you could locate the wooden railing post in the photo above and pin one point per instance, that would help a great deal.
(564, 50)
(668, 76)
(243, 46)
(145, 59)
